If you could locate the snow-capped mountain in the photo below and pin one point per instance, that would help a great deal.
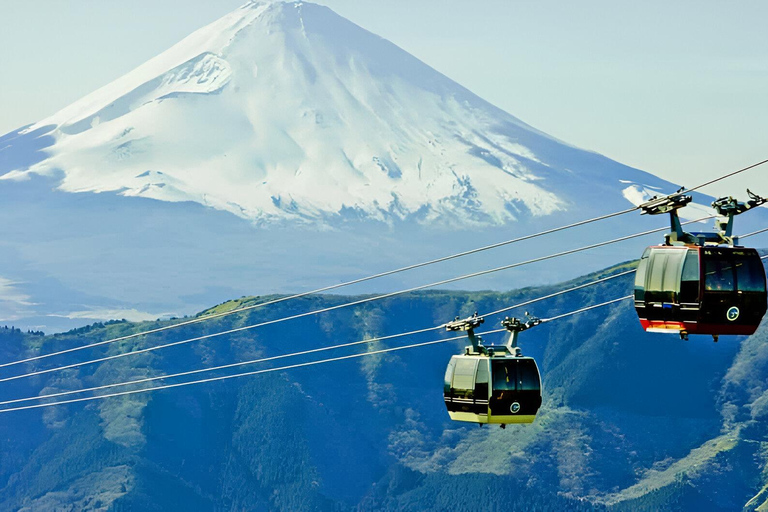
(285, 111)
(339, 154)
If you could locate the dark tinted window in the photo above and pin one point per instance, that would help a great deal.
(750, 273)
(689, 282)
(718, 273)
(528, 375)
(481, 379)
(504, 374)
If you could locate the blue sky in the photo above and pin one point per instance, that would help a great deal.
(679, 89)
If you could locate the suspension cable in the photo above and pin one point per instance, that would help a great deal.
(753, 233)
(338, 306)
(359, 280)
(281, 368)
(626, 297)
(551, 295)
(314, 350)
(724, 176)
(367, 341)
(325, 288)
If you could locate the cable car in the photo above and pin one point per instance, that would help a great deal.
(492, 384)
(700, 290)
(700, 283)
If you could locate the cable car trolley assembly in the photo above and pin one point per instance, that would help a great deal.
(494, 383)
(700, 283)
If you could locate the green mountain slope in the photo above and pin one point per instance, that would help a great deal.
(630, 421)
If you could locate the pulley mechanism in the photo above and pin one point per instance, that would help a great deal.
(726, 207)
(515, 326)
(670, 204)
(468, 324)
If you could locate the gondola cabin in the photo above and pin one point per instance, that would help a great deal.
(690, 289)
(494, 385)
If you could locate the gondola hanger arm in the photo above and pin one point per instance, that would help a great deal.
(469, 325)
(515, 326)
(727, 208)
(670, 204)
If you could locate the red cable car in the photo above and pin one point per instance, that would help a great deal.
(700, 290)
(695, 285)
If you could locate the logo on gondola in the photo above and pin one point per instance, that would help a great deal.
(514, 408)
(733, 313)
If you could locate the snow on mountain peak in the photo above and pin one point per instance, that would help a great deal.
(288, 111)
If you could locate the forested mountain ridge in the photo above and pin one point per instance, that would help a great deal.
(630, 421)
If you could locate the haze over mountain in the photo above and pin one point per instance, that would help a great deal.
(322, 143)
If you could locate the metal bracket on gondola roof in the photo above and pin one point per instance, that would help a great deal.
(665, 204)
(670, 204)
(727, 208)
(515, 326)
(464, 324)
(468, 324)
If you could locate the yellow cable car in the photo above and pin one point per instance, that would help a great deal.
(495, 383)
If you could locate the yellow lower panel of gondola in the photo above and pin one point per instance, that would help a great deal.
(484, 418)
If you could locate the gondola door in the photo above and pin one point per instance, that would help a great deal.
(734, 290)
(516, 393)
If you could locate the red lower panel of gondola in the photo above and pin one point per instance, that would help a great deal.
(696, 328)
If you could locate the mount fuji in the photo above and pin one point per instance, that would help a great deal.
(278, 149)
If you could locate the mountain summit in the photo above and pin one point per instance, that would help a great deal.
(289, 111)
(280, 149)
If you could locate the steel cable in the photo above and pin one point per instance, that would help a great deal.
(359, 280)
(309, 351)
(320, 290)
(339, 306)
(283, 368)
